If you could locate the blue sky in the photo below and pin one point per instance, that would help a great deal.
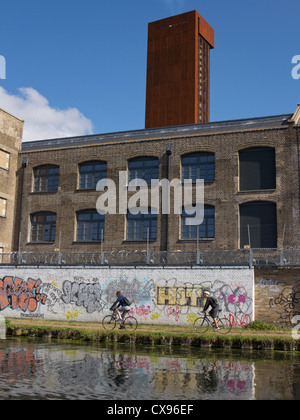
(79, 66)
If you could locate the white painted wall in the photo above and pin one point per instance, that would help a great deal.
(159, 295)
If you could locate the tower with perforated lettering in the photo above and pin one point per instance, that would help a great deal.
(178, 71)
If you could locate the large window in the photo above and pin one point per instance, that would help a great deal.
(90, 173)
(204, 231)
(145, 168)
(46, 178)
(258, 225)
(43, 227)
(141, 227)
(198, 166)
(90, 226)
(257, 169)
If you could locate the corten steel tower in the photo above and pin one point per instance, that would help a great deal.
(178, 70)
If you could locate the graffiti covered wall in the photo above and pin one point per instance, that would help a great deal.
(159, 296)
(277, 295)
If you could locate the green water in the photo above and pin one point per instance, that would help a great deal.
(53, 370)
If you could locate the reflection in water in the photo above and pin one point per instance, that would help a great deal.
(49, 370)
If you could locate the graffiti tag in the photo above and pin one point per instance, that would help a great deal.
(16, 293)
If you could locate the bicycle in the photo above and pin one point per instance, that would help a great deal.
(109, 322)
(203, 323)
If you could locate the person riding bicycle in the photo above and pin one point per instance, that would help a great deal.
(214, 303)
(121, 306)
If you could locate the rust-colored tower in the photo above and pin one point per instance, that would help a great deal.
(178, 70)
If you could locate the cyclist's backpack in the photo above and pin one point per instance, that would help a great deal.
(216, 300)
(127, 301)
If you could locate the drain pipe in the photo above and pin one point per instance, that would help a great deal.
(169, 150)
(24, 166)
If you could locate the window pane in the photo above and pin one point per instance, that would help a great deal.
(90, 226)
(145, 168)
(43, 227)
(205, 231)
(257, 169)
(198, 166)
(90, 173)
(141, 225)
(261, 217)
(46, 179)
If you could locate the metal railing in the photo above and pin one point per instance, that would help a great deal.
(244, 257)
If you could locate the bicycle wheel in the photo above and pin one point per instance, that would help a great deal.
(224, 326)
(109, 322)
(130, 324)
(201, 325)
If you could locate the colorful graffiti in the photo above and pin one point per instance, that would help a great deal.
(15, 293)
(162, 296)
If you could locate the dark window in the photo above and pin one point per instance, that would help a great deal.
(90, 226)
(205, 230)
(261, 218)
(145, 168)
(198, 166)
(140, 226)
(46, 178)
(43, 227)
(257, 169)
(90, 173)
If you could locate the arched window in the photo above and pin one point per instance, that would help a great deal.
(257, 169)
(198, 166)
(146, 168)
(258, 224)
(46, 178)
(43, 227)
(141, 227)
(204, 231)
(90, 226)
(90, 173)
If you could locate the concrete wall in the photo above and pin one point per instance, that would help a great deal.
(171, 296)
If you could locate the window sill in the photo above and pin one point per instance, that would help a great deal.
(257, 191)
(85, 190)
(195, 240)
(139, 241)
(87, 242)
(43, 192)
(41, 243)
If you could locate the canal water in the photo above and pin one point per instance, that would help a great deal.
(34, 369)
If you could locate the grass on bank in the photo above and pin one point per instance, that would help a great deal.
(257, 335)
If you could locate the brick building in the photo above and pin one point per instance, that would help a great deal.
(11, 131)
(250, 168)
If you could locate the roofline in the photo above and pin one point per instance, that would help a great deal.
(159, 132)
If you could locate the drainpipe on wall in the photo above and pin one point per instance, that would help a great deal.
(169, 150)
(24, 166)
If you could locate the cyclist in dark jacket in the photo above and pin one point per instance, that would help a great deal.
(120, 306)
(214, 312)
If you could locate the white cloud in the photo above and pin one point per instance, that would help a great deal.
(41, 120)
